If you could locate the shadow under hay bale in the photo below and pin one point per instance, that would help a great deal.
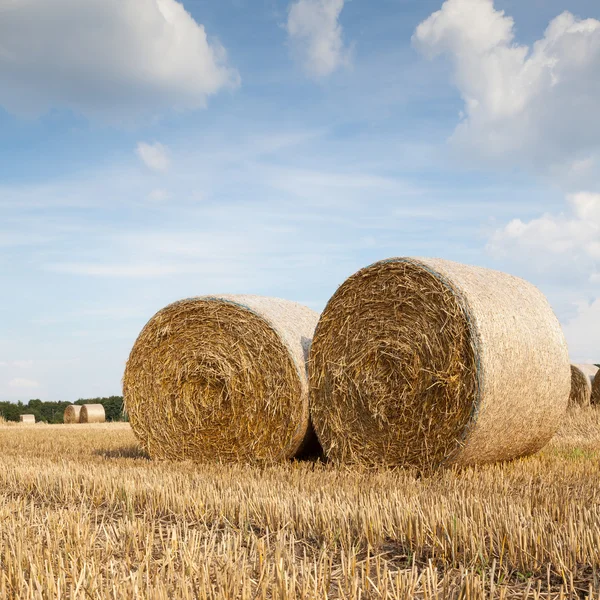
(222, 378)
(581, 387)
(27, 419)
(72, 414)
(92, 413)
(131, 451)
(427, 363)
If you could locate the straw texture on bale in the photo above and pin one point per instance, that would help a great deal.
(581, 387)
(222, 378)
(92, 413)
(72, 413)
(27, 419)
(429, 363)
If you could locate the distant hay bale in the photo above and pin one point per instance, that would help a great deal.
(222, 378)
(72, 413)
(581, 386)
(27, 419)
(429, 363)
(591, 371)
(92, 413)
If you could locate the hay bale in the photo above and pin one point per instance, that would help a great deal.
(595, 391)
(429, 363)
(72, 413)
(222, 378)
(581, 385)
(27, 419)
(591, 371)
(92, 413)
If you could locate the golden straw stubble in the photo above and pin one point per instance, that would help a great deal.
(222, 378)
(426, 362)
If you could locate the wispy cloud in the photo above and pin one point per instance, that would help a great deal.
(155, 156)
(19, 383)
(316, 35)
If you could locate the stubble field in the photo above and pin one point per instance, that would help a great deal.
(84, 514)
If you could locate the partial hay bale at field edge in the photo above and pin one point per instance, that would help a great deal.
(92, 413)
(222, 378)
(72, 413)
(581, 386)
(591, 371)
(427, 363)
(27, 419)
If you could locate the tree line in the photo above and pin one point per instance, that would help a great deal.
(52, 412)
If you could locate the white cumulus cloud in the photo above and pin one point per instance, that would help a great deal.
(154, 156)
(114, 59)
(316, 36)
(533, 106)
(568, 241)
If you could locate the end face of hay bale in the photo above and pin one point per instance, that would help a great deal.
(72, 413)
(92, 413)
(27, 419)
(581, 387)
(222, 378)
(425, 362)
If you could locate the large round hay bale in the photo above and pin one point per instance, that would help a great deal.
(92, 413)
(27, 419)
(581, 386)
(427, 362)
(72, 413)
(222, 378)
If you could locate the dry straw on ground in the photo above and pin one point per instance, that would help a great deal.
(426, 362)
(72, 413)
(581, 387)
(92, 413)
(27, 419)
(222, 378)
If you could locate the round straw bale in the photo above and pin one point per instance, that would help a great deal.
(592, 371)
(92, 413)
(581, 386)
(27, 419)
(429, 363)
(222, 378)
(72, 413)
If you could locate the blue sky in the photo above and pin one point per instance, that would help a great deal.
(153, 150)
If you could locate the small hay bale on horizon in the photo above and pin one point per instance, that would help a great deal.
(428, 363)
(222, 378)
(581, 386)
(72, 413)
(27, 419)
(92, 413)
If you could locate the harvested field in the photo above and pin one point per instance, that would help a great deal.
(84, 514)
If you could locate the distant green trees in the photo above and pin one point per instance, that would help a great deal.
(52, 412)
